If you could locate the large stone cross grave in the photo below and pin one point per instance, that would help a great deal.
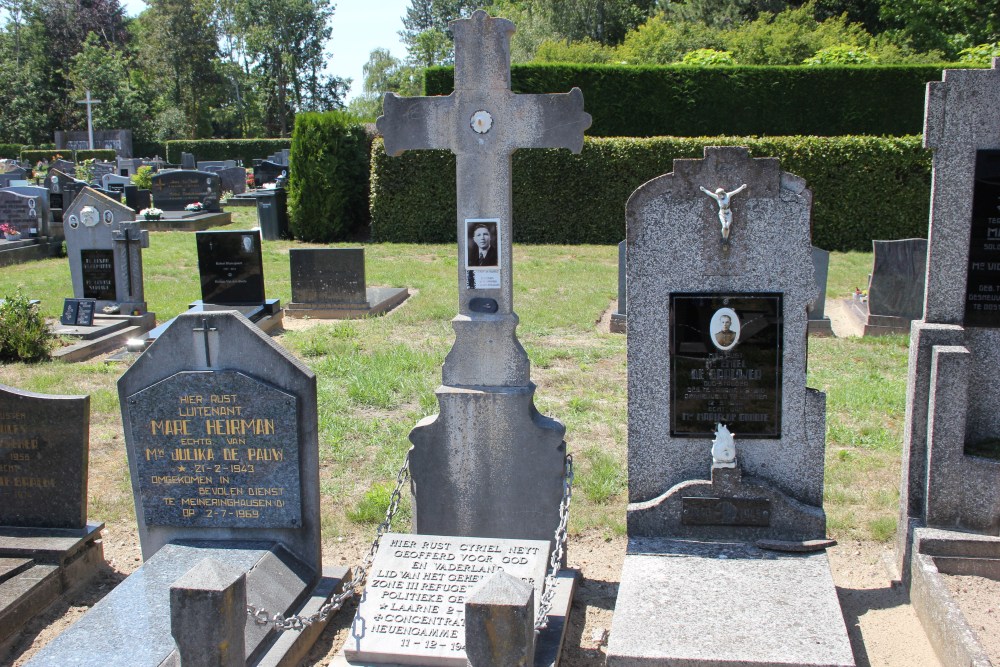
(483, 123)
(489, 465)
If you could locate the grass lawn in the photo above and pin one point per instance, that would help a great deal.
(376, 379)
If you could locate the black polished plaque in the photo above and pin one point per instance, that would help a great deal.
(98, 274)
(726, 512)
(231, 268)
(726, 364)
(982, 293)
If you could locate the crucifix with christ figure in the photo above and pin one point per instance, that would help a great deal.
(483, 122)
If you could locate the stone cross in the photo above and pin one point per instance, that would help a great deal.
(90, 102)
(122, 235)
(483, 123)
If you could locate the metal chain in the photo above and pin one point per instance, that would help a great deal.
(331, 606)
(545, 604)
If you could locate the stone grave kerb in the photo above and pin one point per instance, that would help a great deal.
(675, 245)
(225, 341)
(483, 122)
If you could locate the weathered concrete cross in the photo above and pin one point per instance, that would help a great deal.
(483, 123)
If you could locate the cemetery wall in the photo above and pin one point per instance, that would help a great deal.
(689, 101)
(328, 180)
(858, 184)
(225, 149)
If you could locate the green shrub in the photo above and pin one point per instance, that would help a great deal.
(23, 333)
(33, 156)
(143, 177)
(841, 54)
(10, 151)
(564, 198)
(708, 58)
(246, 150)
(682, 101)
(328, 177)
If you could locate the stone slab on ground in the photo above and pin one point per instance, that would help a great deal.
(140, 606)
(28, 250)
(186, 221)
(725, 604)
(549, 643)
(379, 300)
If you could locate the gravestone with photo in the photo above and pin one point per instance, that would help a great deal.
(950, 487)
(231, 267)
(896, 288)
(46, 543)
(104, 245)
(512, 460)
(726, 442)
(24, 213)
(329, 283)
(57, 181)
(221, 434)
(41, 197)
(819, 323)
(268, 172)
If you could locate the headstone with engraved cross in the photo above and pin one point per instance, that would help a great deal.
(512, 457)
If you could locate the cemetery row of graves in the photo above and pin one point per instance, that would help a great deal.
(250, 441)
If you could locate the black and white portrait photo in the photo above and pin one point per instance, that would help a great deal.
(482, 240)
(724, 329)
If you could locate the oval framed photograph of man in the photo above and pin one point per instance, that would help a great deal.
(724, 329)
(482, 244)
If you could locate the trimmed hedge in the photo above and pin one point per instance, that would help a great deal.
(106, 154)
(863, 188)
(328, 177)
(33, 156)
(684, 101)
(10, 151)
(225, 149)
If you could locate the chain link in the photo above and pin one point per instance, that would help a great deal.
(555, 563)
(331, 606)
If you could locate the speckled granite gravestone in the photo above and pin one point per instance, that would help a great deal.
(46, 544)
(104, 244)
(951, 473)
(221, 435)
(511, 457)
(329, 283)
(489, 465)
(720, 275)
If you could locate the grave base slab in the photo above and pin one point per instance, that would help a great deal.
(619, 323)
(139, 608)
(548, 643)
(108, 333)
(701, 604)
(875, 325)
(40, 565)
(822, 328)
(187, 221)
(379, 300)
(28, 250)
(936, 552)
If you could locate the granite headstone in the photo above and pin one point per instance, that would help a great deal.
(268, 172)
(22, 212)
(231, 267)
(173, 190)
(329, 283)
(819, 323)
(897, 283)
(44, 442)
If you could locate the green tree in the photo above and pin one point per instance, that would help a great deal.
(384, 73)
(946, 26)
(179, 52)
(103, 70)
(425, 31)
(660, 41)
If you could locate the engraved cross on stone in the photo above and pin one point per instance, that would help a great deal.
(483, 123)
(129, 234)
(204, 330)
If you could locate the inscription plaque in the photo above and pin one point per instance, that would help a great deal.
(217, 449)
(982, 293)
(98, 274)
(726, 364)
(231, 267)
(78, 312)
(726, 512)
(413, 609)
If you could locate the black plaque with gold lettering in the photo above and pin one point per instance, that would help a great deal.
(726, 364)
(982, 294)
(98, 274)
(217, 449)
